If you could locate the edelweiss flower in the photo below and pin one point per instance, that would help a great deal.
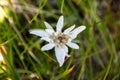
(58, 39)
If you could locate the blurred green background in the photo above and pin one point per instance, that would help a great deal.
(21, 57)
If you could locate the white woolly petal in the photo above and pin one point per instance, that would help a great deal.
(48, 26)
(65, 48)
(47, 39)
(67, 31)
(76, 31)
(60, 54)
(72, 45)
(59, 24)
(69, 40)
(49, 31)
(38, 32)
(47, 46)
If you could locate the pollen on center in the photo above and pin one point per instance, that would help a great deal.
(61, 38)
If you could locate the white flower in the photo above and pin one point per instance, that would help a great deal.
(58, 39)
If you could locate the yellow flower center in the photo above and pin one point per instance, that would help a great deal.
(61, 38)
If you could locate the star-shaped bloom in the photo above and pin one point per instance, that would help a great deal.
(58, 39)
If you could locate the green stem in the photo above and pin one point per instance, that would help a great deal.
(62, 5)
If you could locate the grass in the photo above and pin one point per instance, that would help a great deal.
(97, 58)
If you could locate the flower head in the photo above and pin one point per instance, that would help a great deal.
(58, 39)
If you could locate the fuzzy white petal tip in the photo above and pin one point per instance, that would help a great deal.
(59, 25)
(47, 47)
(76, 31)
(72, 45)
(60, 54)
(68, 30)
(83, 27)
(48, 26)
(38, 32)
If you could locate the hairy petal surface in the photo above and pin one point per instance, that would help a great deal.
(72, 45)
(68, 30)
(50, 31)
(39, 32)
(47, 39)
(60, 54)
(76, 31)
(48, 47)
(48, 26)
(59, 25)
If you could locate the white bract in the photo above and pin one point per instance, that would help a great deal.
(58, 39)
